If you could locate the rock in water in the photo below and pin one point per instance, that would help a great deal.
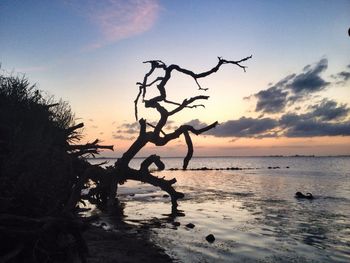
(176, 223)
(190, 225)
(210, 238)
(301, 195)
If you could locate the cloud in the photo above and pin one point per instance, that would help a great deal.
(326, 118)
(244, 127)
(271, 100)
(343, 76)
(122, 137)
(321, 117)
(292, 88)
(129, 128)
(325, 111)
(329, 110)
(196, 124)
(118, 19)
(311, 128)
(289, 125)
(133, 125)
(285, 80)
(310, 80)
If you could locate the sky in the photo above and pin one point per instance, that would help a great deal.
(294, 97)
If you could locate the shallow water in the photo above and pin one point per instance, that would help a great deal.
(252, 213)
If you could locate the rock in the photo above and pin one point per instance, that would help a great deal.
(176, 223)
(210, 238)
(190, 225)
(165, 196)
(301, 195)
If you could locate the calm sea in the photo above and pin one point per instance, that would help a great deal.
(251, 212)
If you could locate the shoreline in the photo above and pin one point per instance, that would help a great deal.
(127, 244)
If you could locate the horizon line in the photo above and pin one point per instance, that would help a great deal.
(230, 156)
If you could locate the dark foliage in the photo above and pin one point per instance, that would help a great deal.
(34, 160)
(42, 174)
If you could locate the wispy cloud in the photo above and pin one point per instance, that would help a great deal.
(119, 19)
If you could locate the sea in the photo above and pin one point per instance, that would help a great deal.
(248, 204)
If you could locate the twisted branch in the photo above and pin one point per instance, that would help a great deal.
(158, 137)
(158, 64)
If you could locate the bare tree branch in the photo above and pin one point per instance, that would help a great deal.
(150, 160)
(89, 148)
(179, 131)
(167, 74)
(74, 128)
(186, 104)
(189, 150)
(151, 125)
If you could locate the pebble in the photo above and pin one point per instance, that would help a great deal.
(190, 225)
(210, 238)
(176, 223)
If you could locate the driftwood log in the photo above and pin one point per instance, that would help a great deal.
(157, 135)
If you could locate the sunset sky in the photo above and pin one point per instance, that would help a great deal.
(294, 97)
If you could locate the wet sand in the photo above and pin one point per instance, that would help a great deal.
(127, 245)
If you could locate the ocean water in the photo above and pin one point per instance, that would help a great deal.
(251, 212)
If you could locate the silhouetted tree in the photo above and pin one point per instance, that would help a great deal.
(157, 135)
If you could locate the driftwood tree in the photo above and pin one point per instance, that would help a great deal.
(157, 135)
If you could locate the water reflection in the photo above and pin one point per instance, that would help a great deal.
(252, 216)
